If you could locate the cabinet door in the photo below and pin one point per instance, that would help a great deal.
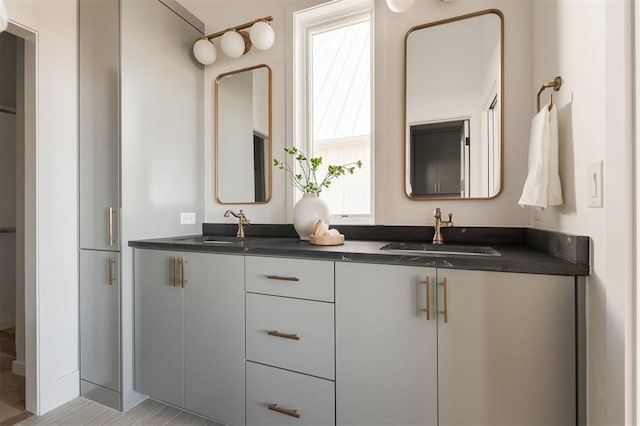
(98, 89)
(214, 337)
(99, 318)
(506, 354)
(385, 346)
(159, 325)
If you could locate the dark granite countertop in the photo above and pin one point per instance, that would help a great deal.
(522, 250)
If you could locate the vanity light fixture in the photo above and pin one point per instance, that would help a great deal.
(400, 6)
(234, 41)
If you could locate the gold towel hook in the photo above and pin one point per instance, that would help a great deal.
(555, 84)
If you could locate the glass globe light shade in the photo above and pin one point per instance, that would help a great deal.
(205, 52)
(262, 35)
(232, 44)
(399, 6)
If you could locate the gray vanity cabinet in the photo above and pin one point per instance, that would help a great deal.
(99, 140)
(137, 133)
(499, 348)
(189, 331)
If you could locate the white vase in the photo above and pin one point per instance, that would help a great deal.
(306, 214)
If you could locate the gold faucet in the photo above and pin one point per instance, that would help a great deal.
(437, 236)
(242, 221)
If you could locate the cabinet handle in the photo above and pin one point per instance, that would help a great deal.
(174, 279)
(110, 274)
(110, 226)
(428, 298)
(278, 277)
(445, 312)
(283, 335)
(183, 270)
(292, 413)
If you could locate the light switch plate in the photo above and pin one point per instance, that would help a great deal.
(187, 218)
(594, 184)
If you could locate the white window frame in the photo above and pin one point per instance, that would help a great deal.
(324, 17)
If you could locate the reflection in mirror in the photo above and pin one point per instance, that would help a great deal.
(243, 136)
(453, 107)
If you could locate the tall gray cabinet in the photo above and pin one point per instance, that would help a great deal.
(141, 137)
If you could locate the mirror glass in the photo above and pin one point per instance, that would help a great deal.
(243, 136)
(453, 107)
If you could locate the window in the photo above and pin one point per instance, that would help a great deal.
(333, 100)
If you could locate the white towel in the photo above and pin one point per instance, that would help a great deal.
(4, 18)
(554, 188)
(542, 187)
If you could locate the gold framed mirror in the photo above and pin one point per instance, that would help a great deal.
(453, 108)
(243, 136)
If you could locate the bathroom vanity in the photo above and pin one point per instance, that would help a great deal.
(274, 331)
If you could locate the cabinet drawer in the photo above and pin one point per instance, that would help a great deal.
(289, 333)
(299, 278)
(270, 389)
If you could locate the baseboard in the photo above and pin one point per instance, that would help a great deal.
(58, 391)
(8, 323)
(101, 395)
(17, 367)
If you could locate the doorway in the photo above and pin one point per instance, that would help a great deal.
(439, 159)
(17, 224)
(12, 350)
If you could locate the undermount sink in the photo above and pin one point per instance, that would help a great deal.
(222, 240)
(444, 249)
(214, 240)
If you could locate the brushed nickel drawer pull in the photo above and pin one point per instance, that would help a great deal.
(292, 413)
(283, 335)
(278, 277)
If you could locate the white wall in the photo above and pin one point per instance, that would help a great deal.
(51, 26)
(588, 43)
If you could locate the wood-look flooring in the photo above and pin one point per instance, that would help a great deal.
(12, 406)
(82, 412)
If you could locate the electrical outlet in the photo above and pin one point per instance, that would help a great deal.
(187, 218)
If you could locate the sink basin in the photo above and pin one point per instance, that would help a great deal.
(444, 249)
